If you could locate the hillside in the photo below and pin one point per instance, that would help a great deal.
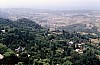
(23, 42)
(20, 23)
(80, 27)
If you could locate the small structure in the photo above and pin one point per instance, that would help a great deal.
(49, 34)
(20, 49)
(79, 47)
(57, 33)
(17, 55)
(3, 31)
(79, 51)
(71, 42)
(28, 55)
(1, 56)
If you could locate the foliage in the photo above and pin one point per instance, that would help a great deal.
(26, 42)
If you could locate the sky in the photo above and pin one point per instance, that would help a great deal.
(52, 4)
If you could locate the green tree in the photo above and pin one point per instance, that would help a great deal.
(67, 63)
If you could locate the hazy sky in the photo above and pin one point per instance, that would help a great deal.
(51, 4)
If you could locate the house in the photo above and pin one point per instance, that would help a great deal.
(1, 56)
(79, 51)
(79, 47)
(3, 31)
(28, 55)
(71, 42)
(17, 55)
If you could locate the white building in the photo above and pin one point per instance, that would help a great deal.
(3, 31)
(1, 56)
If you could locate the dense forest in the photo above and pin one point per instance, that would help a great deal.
(24, 42)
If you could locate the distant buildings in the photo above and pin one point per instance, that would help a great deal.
(60, 18)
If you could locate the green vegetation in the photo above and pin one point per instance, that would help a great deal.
(23, 42)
